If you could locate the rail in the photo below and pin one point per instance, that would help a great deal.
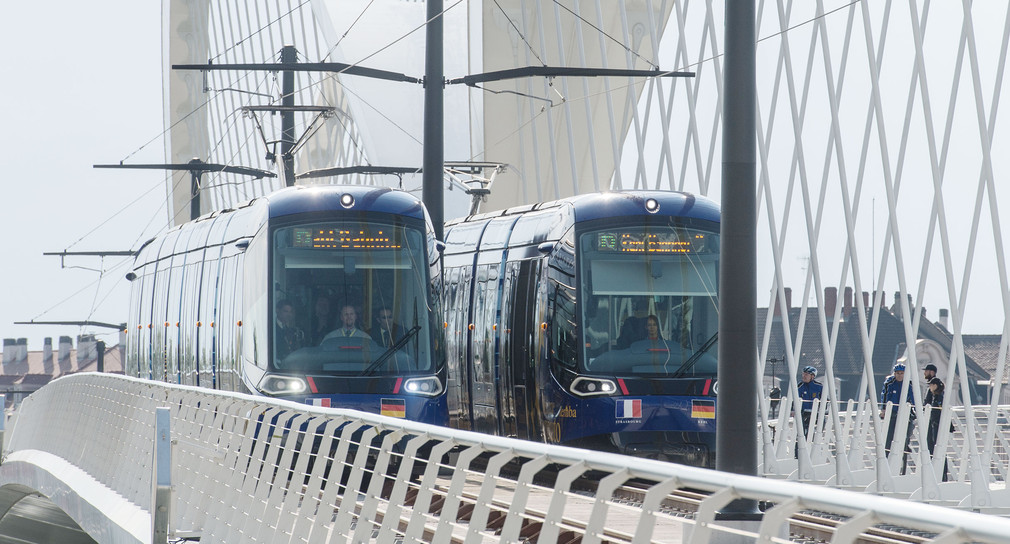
(249, 468)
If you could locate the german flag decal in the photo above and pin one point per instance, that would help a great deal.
(394, 408)
(703, 409)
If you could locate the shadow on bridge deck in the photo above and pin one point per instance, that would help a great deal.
(26, 516)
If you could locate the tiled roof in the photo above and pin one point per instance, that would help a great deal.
(984, 349)
(848, 359)
(33, 371)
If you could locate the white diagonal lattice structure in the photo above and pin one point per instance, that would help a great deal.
(879, 165)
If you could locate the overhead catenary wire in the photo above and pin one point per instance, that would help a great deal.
(601, 31)
(776, 34)
(348, 31)
(519, 32)
(259, 30)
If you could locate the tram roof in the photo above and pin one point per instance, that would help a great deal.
(620, 203)
(592, 206)
(321, 198)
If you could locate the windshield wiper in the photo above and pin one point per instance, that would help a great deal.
(392, 349)
(697, 355)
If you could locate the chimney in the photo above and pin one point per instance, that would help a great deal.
(866, 301)
(847, 304)
(777, 310)
(63, 355)
(10, 350)
(830, 301)
(47, 355)
(789, 298)
(86, 350)
(943, 317)
(22, 354)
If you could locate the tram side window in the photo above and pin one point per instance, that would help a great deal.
(254, 337)
(564, 344)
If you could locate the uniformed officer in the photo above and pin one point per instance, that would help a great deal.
(809, 389)
(934, 398)
(891, 393)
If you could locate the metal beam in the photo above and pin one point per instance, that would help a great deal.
(99, 324)
(560, 71)
(337, 67)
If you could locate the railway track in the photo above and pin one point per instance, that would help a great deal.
(805, 526)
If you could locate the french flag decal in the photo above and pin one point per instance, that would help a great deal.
(325, 402)
(630, 408)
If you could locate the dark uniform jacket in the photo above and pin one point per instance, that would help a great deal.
(809, 392)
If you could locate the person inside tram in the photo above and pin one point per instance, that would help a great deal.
(597, 335)
(634, 327)
(654, 344)
(385, 331)
(322, 319)
(288, 336)
(348, 325)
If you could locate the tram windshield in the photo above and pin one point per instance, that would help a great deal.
(649, 301)
(351, 298)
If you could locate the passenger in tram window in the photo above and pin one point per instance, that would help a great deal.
(634, 327)
(322, 320)
(287, 335)
(658, 346)
(349, 324)
(386, 331)
(597, 334)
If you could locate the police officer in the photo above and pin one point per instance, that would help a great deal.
(934, 398)
(891, 393)
(809, 389)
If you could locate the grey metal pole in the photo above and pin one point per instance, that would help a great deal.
(434, 153)
(161, 490)
(100, 356)
(289, 55)
(736, 433)
(194, 191)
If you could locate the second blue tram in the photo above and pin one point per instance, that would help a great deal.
(321, 295)
(590, 321)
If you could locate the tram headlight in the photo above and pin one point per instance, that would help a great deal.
(429, 386)
(587, 387)
(275, 384)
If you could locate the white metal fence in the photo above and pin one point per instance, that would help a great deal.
(251, 469)
(856, 462)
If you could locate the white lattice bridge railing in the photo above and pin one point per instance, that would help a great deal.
(251, 469)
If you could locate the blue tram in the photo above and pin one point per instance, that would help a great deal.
(590, 321)
(321, 295)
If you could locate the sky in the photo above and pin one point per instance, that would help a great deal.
(82, 87)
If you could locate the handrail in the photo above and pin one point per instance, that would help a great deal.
(249, 465)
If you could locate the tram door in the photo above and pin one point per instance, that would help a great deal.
(483, 360)
(518, 355)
